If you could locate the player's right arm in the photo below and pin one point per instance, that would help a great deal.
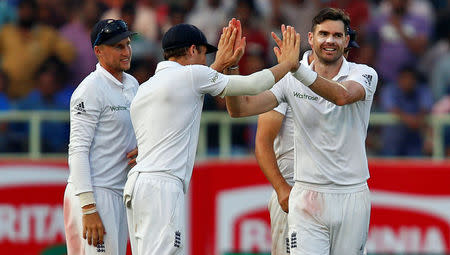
(256, 85)
(269, 125)
(85, 110)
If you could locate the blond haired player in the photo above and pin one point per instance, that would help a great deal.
(329, 205)
(101, 139)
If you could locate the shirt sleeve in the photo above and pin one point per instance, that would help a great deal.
(367, 77)
(278, 89)
(207, 80)
(281, 108)
(85, 110)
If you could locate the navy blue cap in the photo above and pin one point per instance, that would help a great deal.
(352, 43)
(185, 35)
(109, 32)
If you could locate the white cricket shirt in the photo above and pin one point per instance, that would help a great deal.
(283, 144)
(101, 131)
(166, 116)
(329, 139)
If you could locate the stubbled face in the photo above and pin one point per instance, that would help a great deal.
(199, 57)
(328, 41)
(115, 58)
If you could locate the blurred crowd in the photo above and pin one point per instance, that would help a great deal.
(45, 52)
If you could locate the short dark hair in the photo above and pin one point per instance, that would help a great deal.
(331, 14)
(178, 52)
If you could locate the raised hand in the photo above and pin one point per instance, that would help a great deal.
(288, 49)
(231, 46)
(240, 42)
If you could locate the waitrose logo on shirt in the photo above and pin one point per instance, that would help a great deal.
(116, 108)
(304, 96)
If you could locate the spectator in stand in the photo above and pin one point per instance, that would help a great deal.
(53, 13)
(422, 8)
(410, 101)
(49, 80)
(147, 20)
(202, 18)
(143, 48)
(26, 45)
(176, 15)
(399, 37)
(358, 10)
(297, 13)
(85, 14)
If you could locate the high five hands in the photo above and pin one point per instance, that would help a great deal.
(288, 48)
(231, 46)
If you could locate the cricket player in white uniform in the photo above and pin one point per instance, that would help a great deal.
(101, 139)
(274, 151)
(166, 118)
(329, 205)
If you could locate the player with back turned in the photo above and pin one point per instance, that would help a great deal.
(166, 116)
(101, 142)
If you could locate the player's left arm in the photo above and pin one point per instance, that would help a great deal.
(359, 85)
(343, 93)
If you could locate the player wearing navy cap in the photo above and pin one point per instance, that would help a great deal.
(166, 118)
(101, 141)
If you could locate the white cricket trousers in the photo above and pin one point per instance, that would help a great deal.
(112, 212)
(156, 216)
(279, 227)
(328, 221)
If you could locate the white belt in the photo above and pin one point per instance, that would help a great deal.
(129, 187)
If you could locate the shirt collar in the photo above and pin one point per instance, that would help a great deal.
(166, 64)
(110, 76)
(344, 71)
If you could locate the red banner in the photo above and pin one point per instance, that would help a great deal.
(410, 207)
(228, 207)
(31, 213)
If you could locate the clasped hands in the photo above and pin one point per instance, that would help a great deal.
(231, 46)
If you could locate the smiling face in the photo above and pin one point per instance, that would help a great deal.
(328, 40)
(115, 58)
